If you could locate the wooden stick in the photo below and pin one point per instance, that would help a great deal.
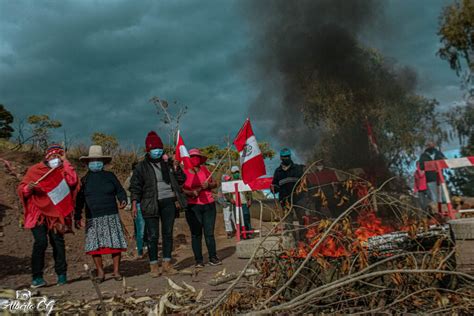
(96, 287)
(44, 176)
(220, 161)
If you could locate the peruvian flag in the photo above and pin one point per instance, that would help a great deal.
(58, 192)
(182, 154)
(251, 158)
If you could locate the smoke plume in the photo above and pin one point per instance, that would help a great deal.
(297, 42)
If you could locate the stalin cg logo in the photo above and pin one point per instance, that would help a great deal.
(247, 150)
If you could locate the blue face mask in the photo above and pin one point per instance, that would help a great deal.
(156, 153)
(96, 166)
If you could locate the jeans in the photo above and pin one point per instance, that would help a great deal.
(424, 199)
(167, 213)
(246, 214)
(297, 214)
(139, 230)
(41, 234)
(229, 218)
(202, 218)
(433, 192)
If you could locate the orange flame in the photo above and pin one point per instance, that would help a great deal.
(370, 225)
(337, 244)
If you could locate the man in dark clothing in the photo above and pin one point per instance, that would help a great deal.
(431, 153)
(155, 184)
(284, 183)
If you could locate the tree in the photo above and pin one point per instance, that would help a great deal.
(215, 153)
(381, 95)
(457, 38)
(6, 119)
(41, 129)
(228, 156)
(109, 143)
(171, 115)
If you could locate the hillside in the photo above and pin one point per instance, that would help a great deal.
(16, 245)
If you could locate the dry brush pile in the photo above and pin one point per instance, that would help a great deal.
(358, 264)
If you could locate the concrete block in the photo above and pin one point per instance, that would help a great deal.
(246, 248)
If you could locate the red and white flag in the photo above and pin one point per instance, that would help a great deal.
(371, 136)
(251, 158)
(58, 192)
(182, 154)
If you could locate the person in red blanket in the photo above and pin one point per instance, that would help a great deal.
(47, 192)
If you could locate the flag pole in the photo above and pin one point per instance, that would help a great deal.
(247, 119)
(44, 176)
(237, 212)
(220, 161)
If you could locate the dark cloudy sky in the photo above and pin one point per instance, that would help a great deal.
(95, 64)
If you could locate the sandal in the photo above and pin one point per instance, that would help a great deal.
(98, 279)
(118, 277)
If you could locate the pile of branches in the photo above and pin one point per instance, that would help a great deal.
(418, 278)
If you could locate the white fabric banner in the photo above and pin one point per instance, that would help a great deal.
(59, 192)
(228, 187)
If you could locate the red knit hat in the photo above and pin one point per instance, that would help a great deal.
(153, 141)
(54, 149)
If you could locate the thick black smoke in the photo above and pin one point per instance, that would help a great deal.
(295, 41)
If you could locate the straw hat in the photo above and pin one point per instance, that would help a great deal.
(197, 152)
(96, 153)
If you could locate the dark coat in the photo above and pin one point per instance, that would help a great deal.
(99, 194)
(144, 189)
(285, 181)
(429, 155)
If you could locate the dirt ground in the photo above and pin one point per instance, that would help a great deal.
(16, 245)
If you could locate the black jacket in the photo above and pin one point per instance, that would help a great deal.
(144, 189)
(285, 181)
(429, 155)
(99, 194)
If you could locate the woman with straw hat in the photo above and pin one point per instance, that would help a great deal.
(99, 193)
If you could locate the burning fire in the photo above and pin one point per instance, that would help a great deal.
(348, 238)
(370, 225)
(339, 244)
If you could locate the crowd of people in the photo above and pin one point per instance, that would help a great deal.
(157, 189)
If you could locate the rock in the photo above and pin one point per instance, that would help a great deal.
(246, 248)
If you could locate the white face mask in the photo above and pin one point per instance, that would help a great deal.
(54, 163)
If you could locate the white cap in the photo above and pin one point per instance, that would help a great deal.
(234, 169)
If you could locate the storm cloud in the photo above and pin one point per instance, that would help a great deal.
(95, 64)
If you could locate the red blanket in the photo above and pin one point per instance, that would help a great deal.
(41, 207)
